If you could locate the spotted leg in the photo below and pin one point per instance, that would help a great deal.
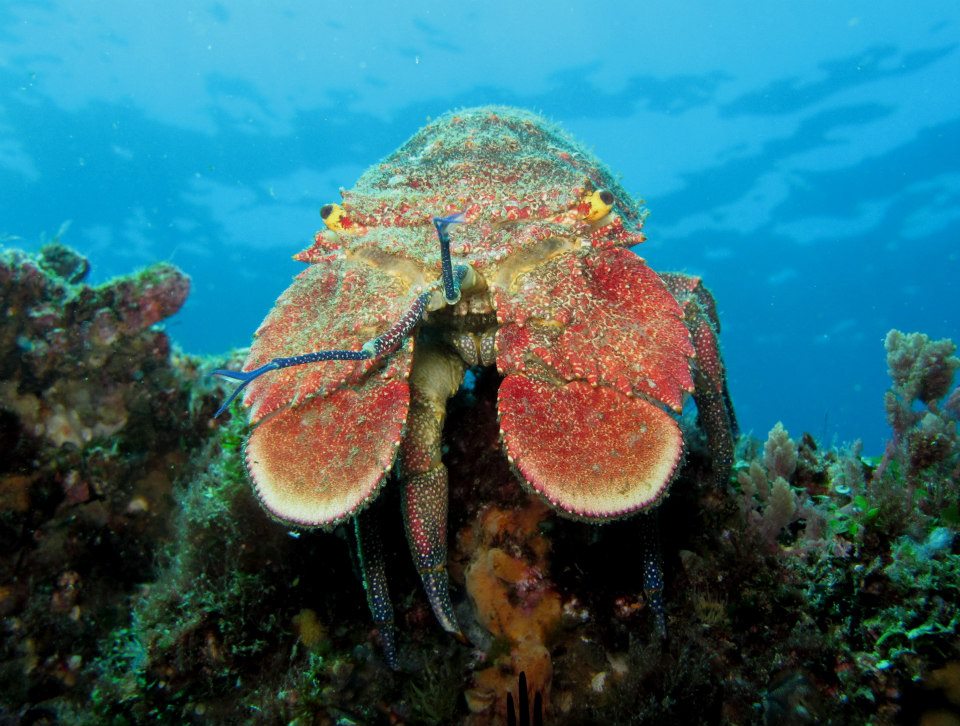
(653, 569)
(435, 377)
(370, 554)
(714, 407)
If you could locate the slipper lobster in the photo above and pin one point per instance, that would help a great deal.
(490, 238)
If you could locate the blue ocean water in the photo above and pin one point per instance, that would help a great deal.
(803, 157)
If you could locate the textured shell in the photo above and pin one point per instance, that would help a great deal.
(499, 166)
(334, 304)
(313, 458)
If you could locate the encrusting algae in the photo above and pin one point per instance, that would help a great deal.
(512, 600)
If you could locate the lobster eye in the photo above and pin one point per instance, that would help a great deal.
(335, 217)
(599, 204)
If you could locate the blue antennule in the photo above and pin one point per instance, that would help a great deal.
(246, 377)
(451, 286)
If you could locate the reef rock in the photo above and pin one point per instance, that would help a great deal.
(96, 416)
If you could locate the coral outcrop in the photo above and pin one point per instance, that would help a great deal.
(97, 414)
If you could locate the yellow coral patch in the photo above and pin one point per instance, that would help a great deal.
(309, 628)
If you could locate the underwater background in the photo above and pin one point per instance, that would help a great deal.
(160, 165)
(802, 157)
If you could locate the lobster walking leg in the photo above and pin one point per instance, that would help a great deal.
(370, 554)
(653, 570)
(435, 378)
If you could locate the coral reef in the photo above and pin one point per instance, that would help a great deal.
(96, 416)
(143, 583)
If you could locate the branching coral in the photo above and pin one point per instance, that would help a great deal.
(769, 504)
(922, 371)
(780, 453)
(924, 453)
(874, 546)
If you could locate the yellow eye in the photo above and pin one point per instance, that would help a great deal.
(335, 217)
(599, 204)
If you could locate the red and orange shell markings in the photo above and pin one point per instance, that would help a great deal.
(335, 304)
(590, 451)
(715, 411)
(700, 314)
(317, 463)
(592, 347)
(326, 434)
(606, 318)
